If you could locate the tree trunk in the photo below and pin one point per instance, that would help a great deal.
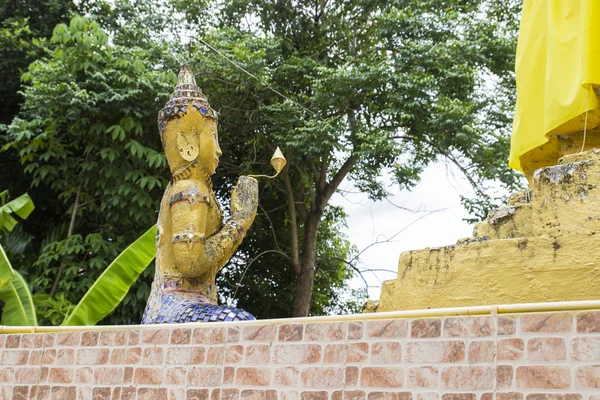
(293, 224)
(306, 279)
(323, 192)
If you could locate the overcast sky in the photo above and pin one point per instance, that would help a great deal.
(440, 189)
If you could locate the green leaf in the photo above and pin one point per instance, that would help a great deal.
(22, 289)
(127, 123)
(114, 283)
(117, 132)
(6, 221)
(19, 309)
(22, 206)
(6, 271)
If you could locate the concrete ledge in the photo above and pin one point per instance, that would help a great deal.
(516, 270)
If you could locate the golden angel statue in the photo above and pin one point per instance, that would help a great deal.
(192, 242)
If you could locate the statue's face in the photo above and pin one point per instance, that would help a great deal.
(192, 137)
(210, 151)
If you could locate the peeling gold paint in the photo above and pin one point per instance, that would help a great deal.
(538, 248)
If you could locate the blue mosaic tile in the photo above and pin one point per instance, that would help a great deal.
(175, 310)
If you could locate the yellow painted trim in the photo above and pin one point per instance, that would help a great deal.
(438, 312)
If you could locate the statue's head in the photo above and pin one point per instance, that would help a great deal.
(188, 126)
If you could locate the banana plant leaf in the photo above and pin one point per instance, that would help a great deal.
(6, 271)
(114, 283)
(22, 206)
(19, 309)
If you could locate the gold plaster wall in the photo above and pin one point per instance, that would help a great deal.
(542, 246)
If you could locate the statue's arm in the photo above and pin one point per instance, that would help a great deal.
(195, 255)
(244, 203)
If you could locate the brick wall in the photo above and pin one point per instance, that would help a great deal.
(545, 356)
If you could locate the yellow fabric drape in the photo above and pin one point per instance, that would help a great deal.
(558, 57)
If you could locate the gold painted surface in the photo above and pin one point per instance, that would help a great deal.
(519, 270)
(278, 161)
(516, 222)
(193, 243)
(540, 247)
(567, 196)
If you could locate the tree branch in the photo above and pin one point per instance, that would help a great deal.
(449, 156)
(294, 225)
(395, 234)
(348, 263)
(314, 170)
(378, 270)
(322, 185)
(339, 177)
(300, 205)
(465, 173)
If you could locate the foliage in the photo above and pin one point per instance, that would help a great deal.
(355, 89)
(262, 280)
(55, 159)
(51, 310)
(102, 297)
(349, 90)
(21, 206)
(114, 283)
(19, 308)
(23, 30)
(14, 292)
(262, 268)
(87, 136)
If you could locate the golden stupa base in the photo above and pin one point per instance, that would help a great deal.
(540, 247)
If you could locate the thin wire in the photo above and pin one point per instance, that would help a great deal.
(239, 283)
(587, 101)
(255, 77)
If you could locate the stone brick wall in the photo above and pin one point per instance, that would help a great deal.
(545, 356)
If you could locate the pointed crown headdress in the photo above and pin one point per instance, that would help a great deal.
(186, 94)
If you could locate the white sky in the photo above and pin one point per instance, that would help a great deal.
(440, 188)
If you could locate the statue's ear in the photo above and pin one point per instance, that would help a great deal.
(188, 146)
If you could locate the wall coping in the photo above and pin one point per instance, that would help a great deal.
(523, 308)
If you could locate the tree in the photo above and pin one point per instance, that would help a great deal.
(25, 28)
(94, 117)
(87, 133)
(261, 277)
(347, 90)
(350, 90)
(24, 25)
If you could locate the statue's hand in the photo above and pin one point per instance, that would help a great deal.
(244, 201)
